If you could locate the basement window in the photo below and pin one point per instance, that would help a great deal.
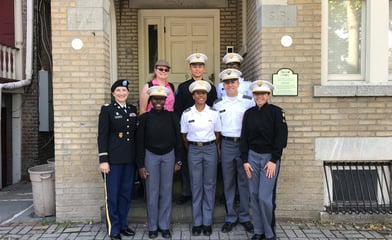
(358, 187)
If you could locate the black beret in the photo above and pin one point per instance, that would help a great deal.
(120, 83)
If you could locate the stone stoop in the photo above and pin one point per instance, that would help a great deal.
(180, 213)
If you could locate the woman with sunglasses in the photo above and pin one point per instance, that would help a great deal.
(161, 73)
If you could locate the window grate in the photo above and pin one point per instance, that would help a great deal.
(358, 187)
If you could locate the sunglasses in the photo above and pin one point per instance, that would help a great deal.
(163, 69)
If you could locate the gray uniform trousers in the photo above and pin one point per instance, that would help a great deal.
(234, 173)
(203, 162)
(261, 193)
(185, 182)
(159, 185)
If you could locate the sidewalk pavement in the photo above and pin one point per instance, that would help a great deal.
(17, 221)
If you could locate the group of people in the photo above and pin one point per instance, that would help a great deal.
(191, 130)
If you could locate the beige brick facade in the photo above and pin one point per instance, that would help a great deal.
(81, 84)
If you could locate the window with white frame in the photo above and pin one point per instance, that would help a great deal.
(345, 40)
(390, 41)
(356, 48)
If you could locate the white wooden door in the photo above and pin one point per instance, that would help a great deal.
(185, 36)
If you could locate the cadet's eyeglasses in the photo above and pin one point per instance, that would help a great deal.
(163, 69)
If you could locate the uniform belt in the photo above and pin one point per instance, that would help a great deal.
(201, 144)
(233, 139)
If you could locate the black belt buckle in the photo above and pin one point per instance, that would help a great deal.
(233, 139)
(201, 144)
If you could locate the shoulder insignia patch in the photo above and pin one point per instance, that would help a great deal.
(106, 104)
(246, 97)
(283, 116)
(187, 110)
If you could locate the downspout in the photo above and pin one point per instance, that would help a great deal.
(29, 51)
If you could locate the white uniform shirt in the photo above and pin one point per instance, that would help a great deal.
(243, 88)
(200, 126)
(231, 111)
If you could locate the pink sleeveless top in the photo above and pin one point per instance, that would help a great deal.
(169, 103)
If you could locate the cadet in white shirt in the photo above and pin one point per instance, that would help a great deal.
(200, 127)
(233, 60)
(231, 108)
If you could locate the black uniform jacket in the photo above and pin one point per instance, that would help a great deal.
(185, 100)
(117, 134)
(264, 130)
(158, 132)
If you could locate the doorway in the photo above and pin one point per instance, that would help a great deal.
(175, 34)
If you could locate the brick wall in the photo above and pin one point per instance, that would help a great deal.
(37, 146)
(127, 44)
(80, 86)
(30, 123)
(300, 186)
(230, 28)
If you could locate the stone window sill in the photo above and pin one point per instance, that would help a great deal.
(352, 91)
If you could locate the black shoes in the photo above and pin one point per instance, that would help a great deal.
(165, 233)
(152, 234)
(128, 232)
(261, 237)
(227, 227)
(248, 226)
(183, 199)
(196, 230)
(207, 230)
(257, 237)
(115, 237)
(273, 238)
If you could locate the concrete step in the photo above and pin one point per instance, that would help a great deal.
(180, 213)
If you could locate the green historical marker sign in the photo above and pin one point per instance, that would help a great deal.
(285, 82)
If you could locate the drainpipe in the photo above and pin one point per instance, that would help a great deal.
(29, 51)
